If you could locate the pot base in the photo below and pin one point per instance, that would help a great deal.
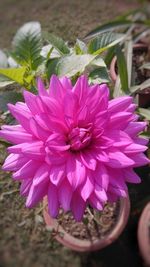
(90, 244)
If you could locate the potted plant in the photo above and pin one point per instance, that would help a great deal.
(144, 234)
(73, 143)
(95, 232)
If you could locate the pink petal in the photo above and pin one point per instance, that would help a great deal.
(87, 188)
(101, 176)
(119, 160)
(134, 148)
(88, 160)
(36, 194)
(43, 121)
(119, 138)
(100, 193)
(70, 107)
(52, 105)
(77, 206)
(66, 83)
(16, 137)
(131, 176)
(37, 130)
(95, 202)
(34, 150)
(53, 204)
(26, 171)
(140, 160)
(117, 191)
(80, 88)
(13, 162)
(120, 120)
(41, 87)
(57, 174)
(41, 175)
(101, 156)
(65, 195)
(21, 116)
(56, 89)
(135, 128)
(31, 101)
(76, 171)
(25, 187)
(141, 141)
(119, 104)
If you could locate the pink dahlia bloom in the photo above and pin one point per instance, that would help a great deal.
(74, 145)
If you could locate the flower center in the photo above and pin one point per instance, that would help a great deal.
(79, 138)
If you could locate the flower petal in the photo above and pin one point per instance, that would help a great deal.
(13, 162)
(131, 176)
(36, 194)
(57, 173)
(65, 195)
(76, 171)
(41, 87)
(56, 89)
(53, 203)
(87, 188)
(77, 206)
(26, 171)
(88, 160)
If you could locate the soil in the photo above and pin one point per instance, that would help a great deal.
(95, 225)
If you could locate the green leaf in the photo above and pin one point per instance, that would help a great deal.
(57, 43)
(9, 97)
(146, 66)
(6, 83)
(51, 67)
(122, 69)
(27, 45)
(98, 76)
(140, 35)
(14, 74)
(111, 26)
(80, 47)
(101, 43)
(18, 75)
(119, 23)
(73, 64)
(131, 13)
(145, 134)
(109, 56)
(141, 86)
(99, 62)
(144, 112)
(129, 58)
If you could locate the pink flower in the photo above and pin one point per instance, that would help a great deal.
(74, 145)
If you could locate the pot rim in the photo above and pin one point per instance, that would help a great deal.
(86, 245)
(143, 234)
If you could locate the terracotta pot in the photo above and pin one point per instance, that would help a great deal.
(87, 245)
(143, 97)
(144, 234)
